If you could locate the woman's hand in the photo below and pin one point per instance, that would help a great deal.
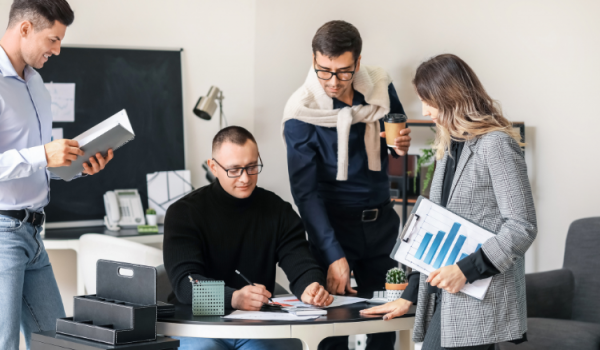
(449, 278)
(391, 310)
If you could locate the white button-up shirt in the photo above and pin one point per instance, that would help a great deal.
(25, 127)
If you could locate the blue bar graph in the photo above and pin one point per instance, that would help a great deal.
(447, 245)
(434, 246)
(478, 246)
(457, 247)
(423, 246)
(463, 256)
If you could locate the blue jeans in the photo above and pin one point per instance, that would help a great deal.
(29, 296)
(238, 344)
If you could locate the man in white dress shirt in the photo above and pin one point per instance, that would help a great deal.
(29, 296)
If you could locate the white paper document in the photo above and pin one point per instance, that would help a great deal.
(266, 316)
(338, 300)
(436, 237)
(165, 188)
(112, 133)
(63, 101)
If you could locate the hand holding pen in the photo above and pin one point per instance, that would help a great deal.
(251, 297)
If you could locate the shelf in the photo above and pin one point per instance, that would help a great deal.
(429, 122)
(409, 200)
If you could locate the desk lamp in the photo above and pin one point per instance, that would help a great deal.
(207, 105)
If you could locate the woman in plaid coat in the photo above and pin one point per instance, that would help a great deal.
(481, 175)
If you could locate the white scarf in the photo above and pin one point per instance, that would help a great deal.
(310, 104)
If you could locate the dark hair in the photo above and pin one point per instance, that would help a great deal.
(335, 38)
(233, 134)
(41, 13)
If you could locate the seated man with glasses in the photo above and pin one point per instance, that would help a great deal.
(338, 163)
(232, 225)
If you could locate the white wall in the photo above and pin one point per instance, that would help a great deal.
(538, 58)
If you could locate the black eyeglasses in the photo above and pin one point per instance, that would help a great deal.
(237, 172)
(343, 76)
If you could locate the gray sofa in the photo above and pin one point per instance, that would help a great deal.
(563, 306)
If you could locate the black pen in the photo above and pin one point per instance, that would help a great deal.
(250, 283)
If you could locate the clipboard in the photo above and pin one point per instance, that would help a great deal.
(434, 236)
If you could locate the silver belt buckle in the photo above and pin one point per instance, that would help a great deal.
(368, 211)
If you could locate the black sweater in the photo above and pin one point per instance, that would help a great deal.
(209, 234)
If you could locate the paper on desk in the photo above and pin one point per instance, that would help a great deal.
(165, 188)
(63, 101)
(266, 316)
(338, 300)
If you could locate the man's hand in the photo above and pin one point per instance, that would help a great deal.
(392, 309)
(338, 277)
(250, 298)
(95, 166)
(315, 294)
(402, 142)
(61, 152)
(449, 278)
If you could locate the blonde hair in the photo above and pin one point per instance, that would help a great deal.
(466, 111)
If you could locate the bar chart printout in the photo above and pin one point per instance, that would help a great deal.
(441, 238)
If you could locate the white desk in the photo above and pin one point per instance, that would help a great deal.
(340, 321)
(68, 239)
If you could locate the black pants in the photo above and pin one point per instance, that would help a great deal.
(367, 246)
(433, 337)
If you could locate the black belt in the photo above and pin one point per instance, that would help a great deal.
(36, 219)
(359, 214)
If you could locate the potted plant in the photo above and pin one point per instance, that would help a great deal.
(395, 283)
(151, 217)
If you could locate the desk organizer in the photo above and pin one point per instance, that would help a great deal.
(208, 298)
(123, 310)
(49, 340)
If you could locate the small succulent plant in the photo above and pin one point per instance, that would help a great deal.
(150, 211)
(395, 276)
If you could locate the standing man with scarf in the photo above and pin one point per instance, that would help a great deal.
(337, 163)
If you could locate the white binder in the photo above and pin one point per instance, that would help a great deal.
(113, 133)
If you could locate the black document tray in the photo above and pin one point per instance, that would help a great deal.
(123, 310)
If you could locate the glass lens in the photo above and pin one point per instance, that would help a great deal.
(235, 172)
(324, 75)
(344, 76)
(253, 170)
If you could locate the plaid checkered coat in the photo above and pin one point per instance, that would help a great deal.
(491, 189)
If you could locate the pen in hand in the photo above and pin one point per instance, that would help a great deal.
(248, 281)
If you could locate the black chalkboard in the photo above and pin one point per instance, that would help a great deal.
(146, 83)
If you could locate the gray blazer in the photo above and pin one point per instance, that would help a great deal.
(491, 189)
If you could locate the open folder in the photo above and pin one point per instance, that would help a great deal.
(113, 133)
(434, 237)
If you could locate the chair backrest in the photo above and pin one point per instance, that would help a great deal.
(95, 246)
(582, 257)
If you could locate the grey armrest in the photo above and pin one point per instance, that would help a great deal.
(550, 294)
